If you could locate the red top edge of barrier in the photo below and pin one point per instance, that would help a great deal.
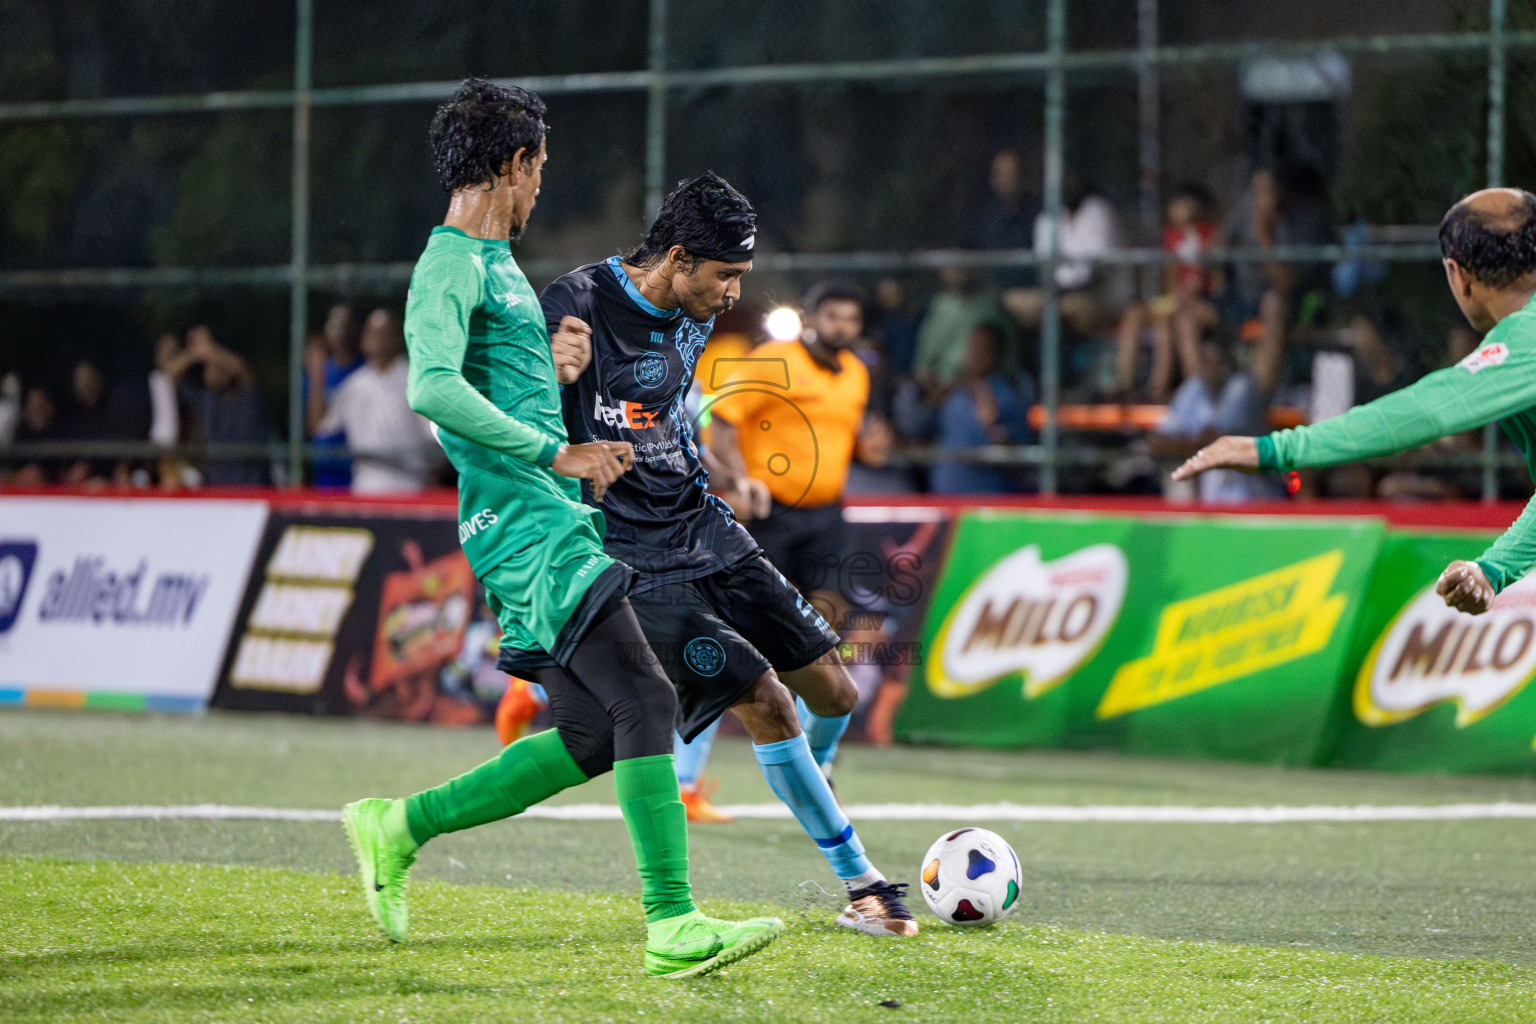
(1455, 515)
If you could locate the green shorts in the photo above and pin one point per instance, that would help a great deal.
(535, 546)
(545, 595)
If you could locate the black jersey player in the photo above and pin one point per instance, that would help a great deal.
(730, 631)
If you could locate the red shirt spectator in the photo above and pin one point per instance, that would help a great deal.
(1187, 242)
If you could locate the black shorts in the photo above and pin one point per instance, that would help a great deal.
(715, 636)
(806, 544)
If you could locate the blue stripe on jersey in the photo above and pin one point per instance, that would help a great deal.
(634, 293)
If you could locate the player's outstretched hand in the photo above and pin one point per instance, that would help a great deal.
(571, 345)
(1224, 452)
(1465, 588)
(601, 462)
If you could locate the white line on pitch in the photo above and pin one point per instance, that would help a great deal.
(1127, 814)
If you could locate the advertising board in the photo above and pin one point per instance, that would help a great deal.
(1180, 635)
(120, 603)
(1431, 688)
(365, 614)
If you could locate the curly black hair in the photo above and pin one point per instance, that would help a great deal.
(704, 215)
(1497, 249)
(484, 125)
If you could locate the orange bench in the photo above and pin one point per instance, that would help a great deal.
(1109, 417)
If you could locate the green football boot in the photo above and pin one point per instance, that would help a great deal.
(384, 863)
(692, 944)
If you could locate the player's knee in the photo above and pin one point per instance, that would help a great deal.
(835, 693)
(845, 695)
(593, 754)
(768, 711)
(645, 715)
(589, 741)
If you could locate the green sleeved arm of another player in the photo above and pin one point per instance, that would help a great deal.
(1511, 556)
(445, 290)
(1496, 382)
(1445, 402)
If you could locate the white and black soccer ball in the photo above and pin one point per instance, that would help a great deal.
(971, 877)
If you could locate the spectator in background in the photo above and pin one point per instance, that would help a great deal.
(870, 350)
(164, 416)
(1220, 399)
(982, 408)
(1263, 300)
(329, 358)
(1008, 222)
(224, 400)
(391, 444)
(952, 314)
(165, 424)
(38, 425)
(1183, 312)
(10, 407)
(1091, 296)
(895, 324)
(871, 471)
(97, 412)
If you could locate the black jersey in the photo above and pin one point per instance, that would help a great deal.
(661, 519)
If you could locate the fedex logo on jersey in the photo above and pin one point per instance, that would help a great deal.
(623, 414)
(1488, 355)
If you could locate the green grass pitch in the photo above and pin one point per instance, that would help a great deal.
(536, 920)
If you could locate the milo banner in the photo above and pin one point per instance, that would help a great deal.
(365, 615)
(1179, 635)
(1430, 688)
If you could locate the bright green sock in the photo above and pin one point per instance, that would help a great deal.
(658, 830)
(532, 769)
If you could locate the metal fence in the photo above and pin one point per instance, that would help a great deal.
(1053, 67)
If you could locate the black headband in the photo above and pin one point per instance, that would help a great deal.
(741, 252)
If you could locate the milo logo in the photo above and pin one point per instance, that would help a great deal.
(1431, 654)
(1041, 619)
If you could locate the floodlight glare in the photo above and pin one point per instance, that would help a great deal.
(782, 324)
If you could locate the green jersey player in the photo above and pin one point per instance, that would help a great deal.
(485, 371)
(1488, 241)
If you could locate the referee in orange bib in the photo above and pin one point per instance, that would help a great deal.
(788, 417)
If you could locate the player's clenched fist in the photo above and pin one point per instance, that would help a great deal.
(601, 462)
(1222, 453)
(571, 345)
(1465, 588)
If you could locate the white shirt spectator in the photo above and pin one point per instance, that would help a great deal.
(1239, 409)
(370, 406)
(165, 418)
(1087, 232)
(10, 407)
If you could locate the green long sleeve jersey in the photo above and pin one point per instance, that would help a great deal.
(481, 370)
(480, 363)
(1496, 382)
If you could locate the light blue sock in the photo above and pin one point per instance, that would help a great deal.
(821, 733)
(794, 778)
(692, 757)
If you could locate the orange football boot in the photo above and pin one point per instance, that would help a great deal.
(696, 802)
(518, 707)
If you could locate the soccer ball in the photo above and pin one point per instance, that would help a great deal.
(971, 877)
